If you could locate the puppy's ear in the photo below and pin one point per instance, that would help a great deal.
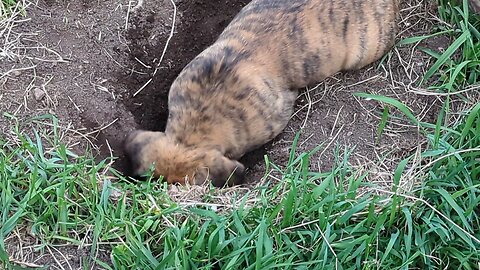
(221, 171)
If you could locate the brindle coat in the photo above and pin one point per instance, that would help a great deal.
(239, 93)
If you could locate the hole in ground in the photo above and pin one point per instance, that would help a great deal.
(198, 25)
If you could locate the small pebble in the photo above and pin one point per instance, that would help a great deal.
(16, 73)
(38, 94)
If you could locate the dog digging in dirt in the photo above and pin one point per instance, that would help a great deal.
(240, 92)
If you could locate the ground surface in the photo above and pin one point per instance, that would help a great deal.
(84, 61)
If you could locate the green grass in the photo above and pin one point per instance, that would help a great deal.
(9, 3)
(459, 65)
(309, 220)
(6, 6)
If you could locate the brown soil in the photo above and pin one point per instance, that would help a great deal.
(79, 61)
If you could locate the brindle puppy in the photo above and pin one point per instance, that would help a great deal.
(239, 93)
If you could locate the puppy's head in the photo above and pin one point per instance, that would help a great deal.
(179, 164)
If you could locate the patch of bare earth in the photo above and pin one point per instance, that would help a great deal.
(104, 68)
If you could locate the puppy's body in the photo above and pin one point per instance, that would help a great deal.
(239, 93)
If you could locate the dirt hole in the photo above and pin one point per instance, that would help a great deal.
(198, 24)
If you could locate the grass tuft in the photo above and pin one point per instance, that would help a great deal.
(459, 65)
(6, 7)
